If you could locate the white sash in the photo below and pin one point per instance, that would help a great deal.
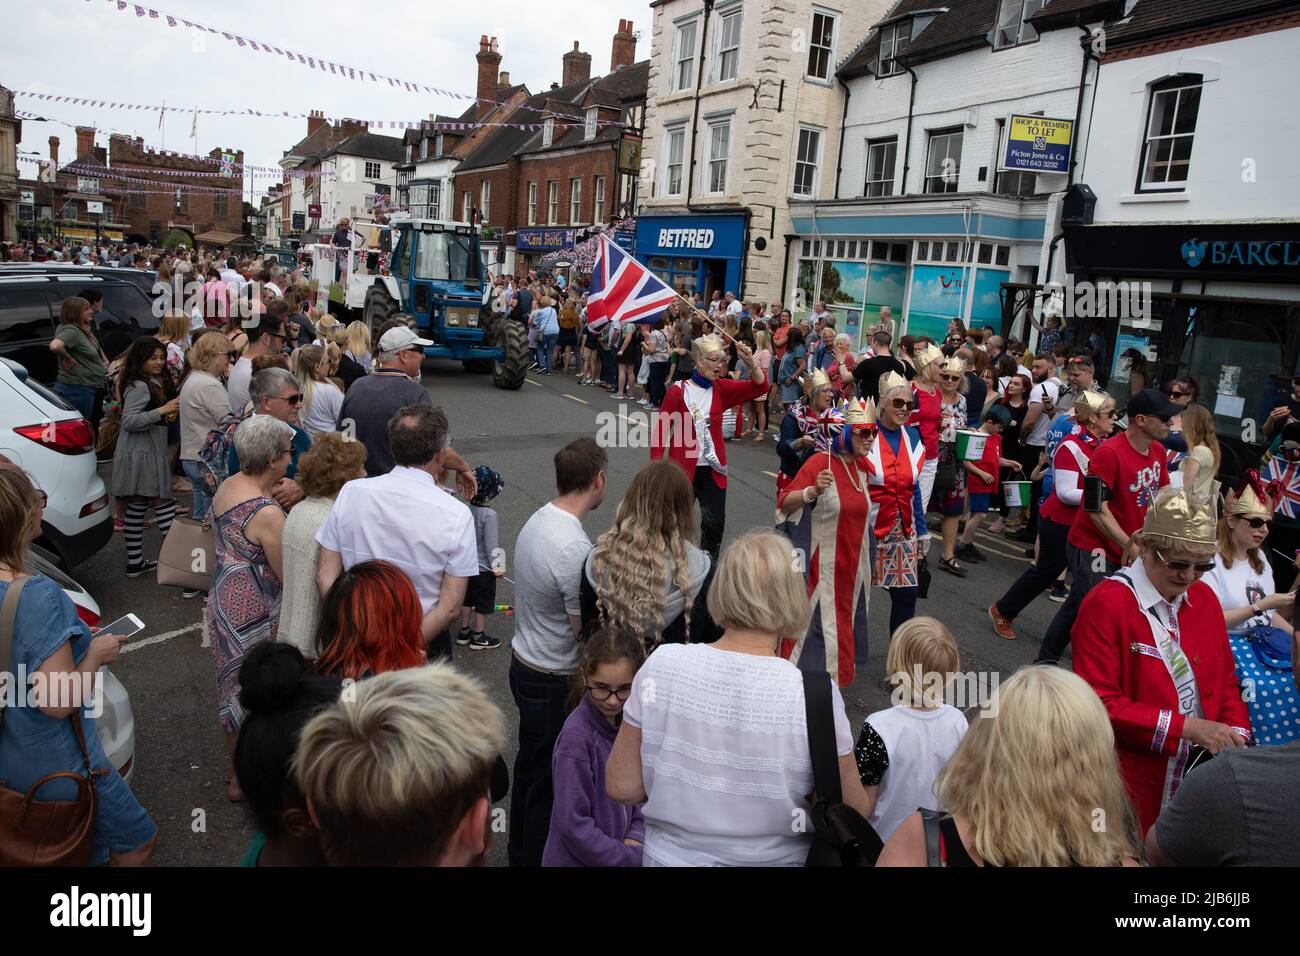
(699, 410)
(1169, 646)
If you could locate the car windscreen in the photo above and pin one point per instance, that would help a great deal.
(127, 314)
(443, 255)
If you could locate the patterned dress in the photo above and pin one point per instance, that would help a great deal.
(243, 606)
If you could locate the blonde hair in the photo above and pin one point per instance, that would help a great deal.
(207, 348)
(1085, 414)
(655, 518)
(303, 364)
(1198, 429)
(1174, 548)
(391, 773)
(336, 356)
(763, 339)
(175, 327)
(358, 339)
(921, 648)
(18, 505)
(759, 586)
(1037, 772)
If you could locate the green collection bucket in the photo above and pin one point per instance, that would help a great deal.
(970, 445)
(1017, 493)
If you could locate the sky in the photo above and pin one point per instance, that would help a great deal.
(88, 48)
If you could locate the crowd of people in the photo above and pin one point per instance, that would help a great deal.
(663, 682)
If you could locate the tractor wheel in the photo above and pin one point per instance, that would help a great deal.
(379, 308)
(509, 372)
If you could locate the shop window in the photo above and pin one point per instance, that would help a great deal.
(953, 252)
(922, 251)
(1003, 256)
(985, 254)
(898, 252)
(1171, 127)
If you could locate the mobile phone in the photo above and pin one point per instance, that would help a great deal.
(1094, 493)
(127, 626)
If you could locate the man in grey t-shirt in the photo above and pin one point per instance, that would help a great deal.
(548, 561)
(1239, 809)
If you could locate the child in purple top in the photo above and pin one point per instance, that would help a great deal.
(587, 827)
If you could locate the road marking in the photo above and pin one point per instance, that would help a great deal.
(576, 398)
(1006, 554)
(771, 474)
(160, 638)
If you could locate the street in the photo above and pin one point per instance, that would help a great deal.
(180, 754)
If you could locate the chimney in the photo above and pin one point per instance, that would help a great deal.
(503, 82)
(623, 52)
(54, 150)
(315, 120)
(101, 155)
(85, 141)
(488, 61)
(577, 66)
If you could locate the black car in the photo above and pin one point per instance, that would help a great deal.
(30, 298)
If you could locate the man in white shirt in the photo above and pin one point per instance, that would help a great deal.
(231, 277)
(549, 557)
(266, 337)
(1033, 431)
(820, 315)
(733, 304)
(405, 517)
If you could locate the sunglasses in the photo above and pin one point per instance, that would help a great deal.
(950, 378)
(232, 355)
(1257, 523)
(1200, 569)
(1179, 394)
(901, 403)
(294, 399)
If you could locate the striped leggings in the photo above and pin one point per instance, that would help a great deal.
(133, 526)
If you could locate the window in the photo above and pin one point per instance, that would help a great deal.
(943, 165)
(575, 201)
(821, 45)
(137, 199)
(437, 145)
(598, 202)
(726, 63)
(435, 201)
(552, 202)
(893, 42)
(464, 206)
(548, 131)
(182, 201)
(882, 155)
(1013, 26)
(418, 200)
(410, 152)
(220, 205)
(485, 198)
(682, 76)
(532, 204)
(589, 132)
(673, 167)
(806, 159)
(719, 145)
(1171, 126)
(372, 170)
(26, 316)
(424, 148)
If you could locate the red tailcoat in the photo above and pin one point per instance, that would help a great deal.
(727, 393)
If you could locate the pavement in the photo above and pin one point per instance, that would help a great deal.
(180, 755)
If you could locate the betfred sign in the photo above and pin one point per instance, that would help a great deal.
(686, 238)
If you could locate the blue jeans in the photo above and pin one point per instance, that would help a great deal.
(80, 397)
(540, 699)
(202, 500)
(545, 345)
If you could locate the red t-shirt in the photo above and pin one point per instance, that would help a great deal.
(989, 464)
(926, 418)
(1066, 459)
(1133, 481)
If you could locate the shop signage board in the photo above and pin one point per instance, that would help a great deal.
(1038, 144)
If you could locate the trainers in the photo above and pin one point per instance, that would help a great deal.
(1024, 534)
(484, 642)
(144, 567)
(1058, 593)
(464, 636)
(1001, 626)
(968, 552)
(189, 594)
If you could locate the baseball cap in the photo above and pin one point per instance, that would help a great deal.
(1151, 401)
(395, 340)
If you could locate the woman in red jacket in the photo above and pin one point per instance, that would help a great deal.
(1151, 641)
(689, 428)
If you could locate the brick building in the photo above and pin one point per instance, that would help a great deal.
(561, 165)
(74, 199)
(11, 131)
(190, 203)
(301, 192)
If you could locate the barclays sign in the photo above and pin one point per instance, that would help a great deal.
(1247, 253)
(1230, 252)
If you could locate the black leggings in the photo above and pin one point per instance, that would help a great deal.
(1044, 572)
(713, 510)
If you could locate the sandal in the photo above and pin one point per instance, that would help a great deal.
(952, 567)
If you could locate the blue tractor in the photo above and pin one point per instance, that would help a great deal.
(439, 283)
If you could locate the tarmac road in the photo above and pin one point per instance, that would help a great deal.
(180, 756)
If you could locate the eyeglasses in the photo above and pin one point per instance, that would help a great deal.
(1200, 569)
(1257, 523)
(715, 359)
(950, 378)
(287, 451)
(901, 403)
(600, 692)
(295, 399)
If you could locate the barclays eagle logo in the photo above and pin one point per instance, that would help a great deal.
(1194, 252)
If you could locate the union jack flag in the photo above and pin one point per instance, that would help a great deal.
(623, 290)
(1287, 475)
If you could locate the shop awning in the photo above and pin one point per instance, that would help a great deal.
(221, 238)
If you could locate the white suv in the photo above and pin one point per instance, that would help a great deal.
(47, 438)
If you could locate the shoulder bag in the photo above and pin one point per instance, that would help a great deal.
(44, 832)
(188, 554)
(841, 837)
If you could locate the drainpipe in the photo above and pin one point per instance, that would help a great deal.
(1078, 109)
(839, 159)
(785, 265)
(907, 147)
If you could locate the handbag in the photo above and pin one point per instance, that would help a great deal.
(841, 837)
(45, 832)
(945, 474)
(188, 555)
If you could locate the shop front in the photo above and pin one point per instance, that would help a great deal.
(1222, 305)
(533, 244)
(697, 253)
(927, 266)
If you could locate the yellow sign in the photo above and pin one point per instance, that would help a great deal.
(1038, 144)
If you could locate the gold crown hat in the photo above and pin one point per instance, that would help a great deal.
(955, 366)
(707, 344)
(1090, 401)
(860, 414)
(815, 380)
(1184, 517)
(1255, 497)
(890, 381)
(927, 355)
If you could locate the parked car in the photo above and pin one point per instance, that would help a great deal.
(47, 438)
(30, 298)
(115, 727)
(143, 278)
